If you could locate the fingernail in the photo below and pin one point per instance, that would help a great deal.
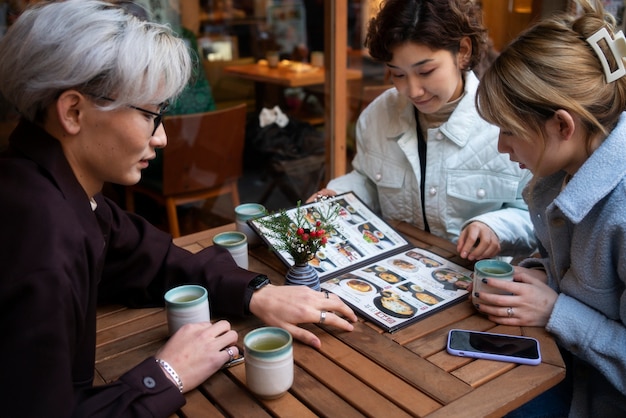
(477, 306)
(476, 294)
(484, 280)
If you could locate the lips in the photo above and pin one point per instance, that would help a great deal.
(422, 102)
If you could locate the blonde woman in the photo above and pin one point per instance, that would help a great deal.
(558, 94)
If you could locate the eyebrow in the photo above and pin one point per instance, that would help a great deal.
(417, 64)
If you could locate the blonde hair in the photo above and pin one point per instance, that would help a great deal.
(551, 66)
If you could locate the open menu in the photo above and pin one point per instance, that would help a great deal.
(376, 270)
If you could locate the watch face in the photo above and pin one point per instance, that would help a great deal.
(258, 282)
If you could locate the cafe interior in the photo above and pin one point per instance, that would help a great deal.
(287, 79)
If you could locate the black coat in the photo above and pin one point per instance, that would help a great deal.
(58, 259)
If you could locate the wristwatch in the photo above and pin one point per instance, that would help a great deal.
(254, 285)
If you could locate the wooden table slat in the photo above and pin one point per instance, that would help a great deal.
(113, 367)
(199, 406)
(435, 382)
(231, 398)
(352, 390)
(130, 321)
(483, 402)
(376, 376)
(287, 405)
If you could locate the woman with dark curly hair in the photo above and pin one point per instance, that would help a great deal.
(424, 156)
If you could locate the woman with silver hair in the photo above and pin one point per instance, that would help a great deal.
(91, 83)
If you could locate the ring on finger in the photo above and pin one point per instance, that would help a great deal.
(509, 312)
(322, 316)
(231, 354)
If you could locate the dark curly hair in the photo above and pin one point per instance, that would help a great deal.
(437, 24)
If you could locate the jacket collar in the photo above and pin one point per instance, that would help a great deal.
(597, 177)
(34, 143)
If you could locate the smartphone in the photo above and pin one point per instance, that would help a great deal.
(490, 346)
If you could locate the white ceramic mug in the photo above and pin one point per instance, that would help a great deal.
(245, 212)
(186, 304)
(493, 269)
(236, 243)
(269, 361)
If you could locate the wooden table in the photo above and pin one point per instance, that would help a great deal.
(283, 75)
(271, 82)
(366, 372)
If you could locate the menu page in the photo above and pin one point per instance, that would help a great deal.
(397, 290)
(360, 236)
(378, 272)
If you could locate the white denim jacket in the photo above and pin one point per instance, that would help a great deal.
(467, 179)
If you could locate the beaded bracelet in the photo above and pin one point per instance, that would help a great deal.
(166, 366)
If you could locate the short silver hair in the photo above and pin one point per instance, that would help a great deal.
(94, 47)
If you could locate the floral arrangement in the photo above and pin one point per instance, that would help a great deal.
(302, 235)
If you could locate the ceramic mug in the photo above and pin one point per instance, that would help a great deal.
(273, 58)
(186, 304)
(244, 213)
(317, 58)
(236, 243)
(493, 269)
(269, 361)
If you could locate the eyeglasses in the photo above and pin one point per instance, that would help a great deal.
(158, 116)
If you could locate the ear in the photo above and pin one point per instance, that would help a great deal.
(465, 53)
(562, 125)
(69, 109)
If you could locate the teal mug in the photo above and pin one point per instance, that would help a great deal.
(186, 304)
(493, 269)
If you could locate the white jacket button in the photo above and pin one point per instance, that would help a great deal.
(439, 136)
(378, 176)
(432, 191)
(481, 193)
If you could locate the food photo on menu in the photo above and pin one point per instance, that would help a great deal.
(377, 271)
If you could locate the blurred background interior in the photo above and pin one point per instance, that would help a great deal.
(269, 164)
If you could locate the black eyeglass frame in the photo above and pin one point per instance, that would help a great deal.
(158, 116)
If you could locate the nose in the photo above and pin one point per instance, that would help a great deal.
(414, 87)
(159, 139)
(503, 148)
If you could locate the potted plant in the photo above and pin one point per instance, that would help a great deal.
(301, 235)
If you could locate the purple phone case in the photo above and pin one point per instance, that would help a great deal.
(497, 357)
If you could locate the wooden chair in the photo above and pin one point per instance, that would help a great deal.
(203, 159)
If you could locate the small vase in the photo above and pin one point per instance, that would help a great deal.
(304, 275)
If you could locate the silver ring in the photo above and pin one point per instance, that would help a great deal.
(509, 312)
(326, 294)
(231, 355)
(322, 316)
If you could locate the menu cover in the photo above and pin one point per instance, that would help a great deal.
(376, 271)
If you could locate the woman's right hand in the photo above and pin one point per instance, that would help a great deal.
(196, 351)
(318, 194)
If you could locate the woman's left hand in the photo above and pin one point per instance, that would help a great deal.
(478, 241)
(288, 306)
(530, 305)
